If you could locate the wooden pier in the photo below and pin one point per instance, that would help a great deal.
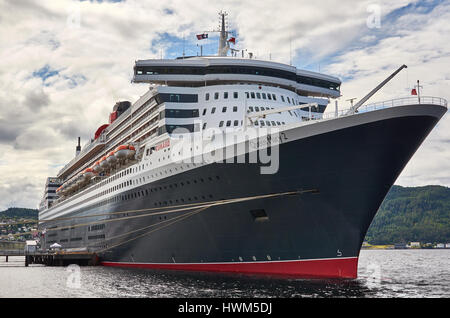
(54, 258)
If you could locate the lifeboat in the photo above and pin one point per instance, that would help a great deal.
(80, 180)
(111, 158)
(88, 174)
(121, 152)
(125, 152)
(96, 167)
(104, 163)
(132, 152)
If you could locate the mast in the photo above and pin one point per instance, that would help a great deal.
(223, 43)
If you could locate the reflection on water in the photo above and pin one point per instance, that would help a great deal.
(394, 273)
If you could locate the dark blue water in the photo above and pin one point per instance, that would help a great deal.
(381, 273)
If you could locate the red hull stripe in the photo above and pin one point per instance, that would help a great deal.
(321, 268)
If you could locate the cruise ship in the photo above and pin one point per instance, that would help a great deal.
(231, 164)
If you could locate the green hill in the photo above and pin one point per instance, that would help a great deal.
(420, 214)
(19, 213)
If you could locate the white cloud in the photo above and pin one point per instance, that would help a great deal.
(419, 41)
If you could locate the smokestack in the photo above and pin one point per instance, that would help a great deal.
(78, 148)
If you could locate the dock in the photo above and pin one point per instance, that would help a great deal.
(54, 258)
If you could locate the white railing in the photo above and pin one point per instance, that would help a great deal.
(425, 100)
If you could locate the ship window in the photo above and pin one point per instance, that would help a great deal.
(181, 113)
(225, 95)
(262, 123)
(258, 95)
(207, 96)
(264, 96)
(216, 95)
(247, 95)
(213, 110)
(228, 123)
(256, 123)
(224, 109)
(289, 100)
(282, 98)
(236, 122)
(250, 108)
(252, 95)
(274, 97)
(273, 123)
(269, 96)
(235, 109)
(257, 109)
(221, 124)
(268, 123)
(204, 126)
(204, 112)
(235, 95)
(176, 98)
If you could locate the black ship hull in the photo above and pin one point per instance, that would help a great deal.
(332, 185)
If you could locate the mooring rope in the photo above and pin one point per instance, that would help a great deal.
(179, 208)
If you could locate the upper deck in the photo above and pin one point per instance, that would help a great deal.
(204, 71)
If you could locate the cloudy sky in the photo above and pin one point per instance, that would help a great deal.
(63, 65)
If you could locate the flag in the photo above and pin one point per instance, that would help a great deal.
(414, 92)
(202, 36)
(232, 40)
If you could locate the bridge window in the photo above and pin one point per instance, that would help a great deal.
(301, 79)
(225, 95)
(207, 96)
(216, 95)
(181, 129)
(182, 113)
(264, 96)
(176, 98)
(235, 94)
(235, 109)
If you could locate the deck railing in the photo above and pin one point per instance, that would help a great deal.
(425, 100)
